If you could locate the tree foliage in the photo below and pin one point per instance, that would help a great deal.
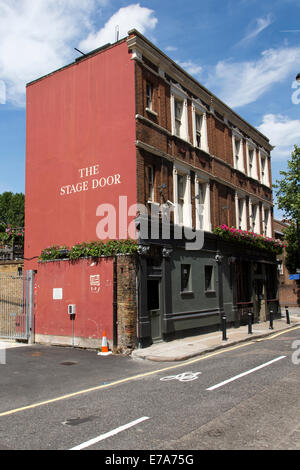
(12, 210)
(288, 188)
(291, 251)
(288, 200)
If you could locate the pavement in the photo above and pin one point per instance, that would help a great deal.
(186, 348)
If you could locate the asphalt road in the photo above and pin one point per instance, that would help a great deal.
(243, 397)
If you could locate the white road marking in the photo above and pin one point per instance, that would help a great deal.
(109, 434)
(184, 377)
(245, 373)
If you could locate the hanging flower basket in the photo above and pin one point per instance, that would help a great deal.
(12, 236)
(250, 239)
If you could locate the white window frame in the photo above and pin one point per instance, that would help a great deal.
(186, 219)
(241, 215)
(179, 95)
(202, 203)
(267, 223)
(264, 169)
(199, 110)
(238, 159)
(254, 218)
(252, 172)
(280, 267)
(149, 96)
(150, 183)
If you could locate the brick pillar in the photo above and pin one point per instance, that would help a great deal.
(126, 302)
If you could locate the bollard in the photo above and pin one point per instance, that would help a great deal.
(249, 323)
(271, 320)
(224, 338)
(287, 315)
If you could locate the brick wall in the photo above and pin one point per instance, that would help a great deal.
(127, 306)
(155, 131)
(11, 267)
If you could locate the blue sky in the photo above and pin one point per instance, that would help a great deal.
(247, 52)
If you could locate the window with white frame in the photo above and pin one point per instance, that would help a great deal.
(178, 104)
(179, 113)
(150, 175)
(254, 217)
(267, 229)
(264, 169)
(198, 129)
(149, 95)
(182, 197)
(251, 161)
(238, 157)
(181, 181)
(199, 126)
(241, 218)
(202, 204)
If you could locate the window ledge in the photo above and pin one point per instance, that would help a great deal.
(154, 203)
(150, 111)
(188, 292)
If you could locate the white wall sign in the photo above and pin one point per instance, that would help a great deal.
(57, 294)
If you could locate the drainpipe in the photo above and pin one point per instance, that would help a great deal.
(115, 303)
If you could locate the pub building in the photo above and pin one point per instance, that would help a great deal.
(120, 133)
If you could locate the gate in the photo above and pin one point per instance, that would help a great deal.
(16, 306)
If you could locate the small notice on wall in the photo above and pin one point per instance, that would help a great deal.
(95, 283)
(57, 294)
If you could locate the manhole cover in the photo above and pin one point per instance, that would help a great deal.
(69, 363)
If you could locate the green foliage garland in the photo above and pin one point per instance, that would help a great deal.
(94, 249)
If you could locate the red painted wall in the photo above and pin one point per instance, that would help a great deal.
(94, 309)
(79, 117)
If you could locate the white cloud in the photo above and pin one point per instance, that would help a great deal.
(191, 67)
(132, 16)
(37, 37)
(259, 26)
(171, 48)
(241, 83)
(2, 92)
(283, 133)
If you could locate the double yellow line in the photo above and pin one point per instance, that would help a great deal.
(135, 377)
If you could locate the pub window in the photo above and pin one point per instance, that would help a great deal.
(209, 278)
(186, 285)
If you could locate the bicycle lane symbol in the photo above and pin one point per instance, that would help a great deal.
(184, 377)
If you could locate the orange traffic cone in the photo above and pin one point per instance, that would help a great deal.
(104, 348)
